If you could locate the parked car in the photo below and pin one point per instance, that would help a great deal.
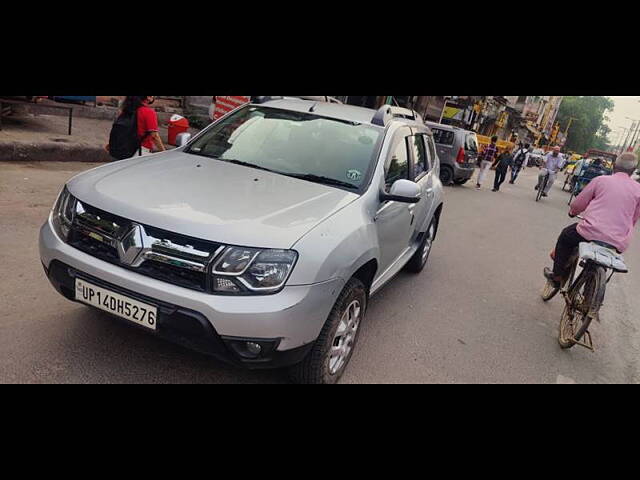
(260, 240)
(457, 150)
(536, 157)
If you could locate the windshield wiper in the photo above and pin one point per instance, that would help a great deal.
(320, 179)
(235, 162)
(247, 164)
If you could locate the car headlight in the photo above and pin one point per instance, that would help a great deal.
(252, 271)
(63, 213)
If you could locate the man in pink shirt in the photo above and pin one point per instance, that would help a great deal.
(610, 208)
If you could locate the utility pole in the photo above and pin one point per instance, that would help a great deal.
(633, 141)
(618, 141)
(624, 144)
(571, 119)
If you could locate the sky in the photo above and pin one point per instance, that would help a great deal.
(624, 107)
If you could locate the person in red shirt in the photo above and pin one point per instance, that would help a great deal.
(148, 131)
(148, 127)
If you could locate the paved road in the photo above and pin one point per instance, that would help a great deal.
(474, 316)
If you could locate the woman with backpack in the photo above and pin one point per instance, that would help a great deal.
(135, 131)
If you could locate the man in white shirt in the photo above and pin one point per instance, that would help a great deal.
(553, 163)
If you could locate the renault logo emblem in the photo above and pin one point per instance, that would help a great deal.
(131, 246)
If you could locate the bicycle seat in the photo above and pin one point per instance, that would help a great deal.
(603, 255)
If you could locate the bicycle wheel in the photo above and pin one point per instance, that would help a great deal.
(584, 301)
(573, 194)
(542, 187)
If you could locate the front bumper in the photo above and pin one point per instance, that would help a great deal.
(287, 322)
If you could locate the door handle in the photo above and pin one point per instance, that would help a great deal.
(429, 192)
(411, 207)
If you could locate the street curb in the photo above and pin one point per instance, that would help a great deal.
(52, 152)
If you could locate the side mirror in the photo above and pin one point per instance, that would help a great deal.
(404, 191)
(182, 139)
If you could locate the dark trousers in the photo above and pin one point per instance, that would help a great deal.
(567, 243)
(515, 169)
(501, 175)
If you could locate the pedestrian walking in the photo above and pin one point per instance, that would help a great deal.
(520, 159)
(553, 163)
(502, 164)
(135, 131)
(487, 156)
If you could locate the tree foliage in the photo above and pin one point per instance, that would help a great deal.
(589, 128)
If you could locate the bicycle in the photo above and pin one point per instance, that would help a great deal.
(542, 187)
(584, 294)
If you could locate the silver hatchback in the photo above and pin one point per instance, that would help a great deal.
(458, 152)
(259, 241)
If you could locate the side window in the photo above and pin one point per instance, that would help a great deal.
(431, 148)
(397, 165)
(420, 154)
(443, 137)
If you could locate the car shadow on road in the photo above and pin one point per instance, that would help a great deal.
(103, 349)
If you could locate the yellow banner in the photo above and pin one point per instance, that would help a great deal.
(450, 112)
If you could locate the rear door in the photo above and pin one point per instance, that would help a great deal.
(470, 148)
(421, 173)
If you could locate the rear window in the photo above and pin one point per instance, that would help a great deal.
(471, 143)
(443, 137)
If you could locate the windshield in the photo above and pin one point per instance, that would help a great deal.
(471, 143)
(304, 145)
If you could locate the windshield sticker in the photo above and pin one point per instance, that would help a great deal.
(354, 174)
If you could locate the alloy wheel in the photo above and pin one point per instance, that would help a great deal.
(344, 337)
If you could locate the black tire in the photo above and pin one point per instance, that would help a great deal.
(315, 368)
(461, 182)
(446, 175)
(541, 188)
(588, 286)
(419, 259)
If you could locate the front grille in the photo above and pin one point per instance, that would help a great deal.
(167, 256)
(93, 247)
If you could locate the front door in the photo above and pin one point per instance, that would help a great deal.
(394, 220)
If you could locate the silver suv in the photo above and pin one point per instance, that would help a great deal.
(261, 239)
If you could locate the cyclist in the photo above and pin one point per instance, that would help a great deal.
(610, 208)
(553, 163)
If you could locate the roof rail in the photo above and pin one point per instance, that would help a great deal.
(386, 113)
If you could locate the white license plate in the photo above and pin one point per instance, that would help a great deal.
(125, 307)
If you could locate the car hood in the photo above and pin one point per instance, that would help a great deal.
(210, 199)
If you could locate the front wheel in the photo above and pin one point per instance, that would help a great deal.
(541, 186)
(332, 350)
